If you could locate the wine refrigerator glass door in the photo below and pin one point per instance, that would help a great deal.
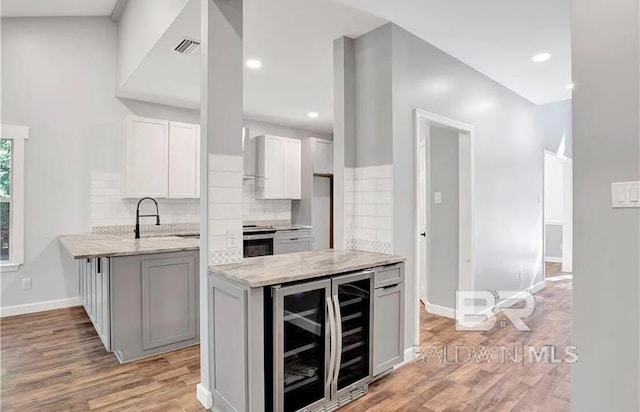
(301, 348)
(351, 295)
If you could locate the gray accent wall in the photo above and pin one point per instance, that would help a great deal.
(508, 163)
(606, 127)
(554, 120)
(444, 235)
(508, 152)
(374, 123)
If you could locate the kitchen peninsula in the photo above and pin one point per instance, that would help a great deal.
(140, 294)
(303, 331)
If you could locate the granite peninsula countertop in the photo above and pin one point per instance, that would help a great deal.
(92, 245)
(272, 270)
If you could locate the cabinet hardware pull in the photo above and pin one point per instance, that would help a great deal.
(336, 367)
(332, 336)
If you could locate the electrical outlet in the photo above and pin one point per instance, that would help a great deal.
(233, 240)
(26, 283)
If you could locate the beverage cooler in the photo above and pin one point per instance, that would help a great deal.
(319, 343)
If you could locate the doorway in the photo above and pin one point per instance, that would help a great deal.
(558, 213)
(444, 211)
(322, 210)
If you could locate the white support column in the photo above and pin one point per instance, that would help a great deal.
(221, 156)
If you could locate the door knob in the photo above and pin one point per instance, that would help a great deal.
(423, 234)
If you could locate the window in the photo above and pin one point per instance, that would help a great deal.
(12, 196)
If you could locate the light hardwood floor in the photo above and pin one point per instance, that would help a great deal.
(54, 361)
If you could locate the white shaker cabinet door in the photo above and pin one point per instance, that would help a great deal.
(184, 143)
(292, 169)
(270, 165)
(323, 157)
(146, 151)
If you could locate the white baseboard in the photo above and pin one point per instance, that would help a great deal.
(39, 307)
(512, 300)
(204, 396)
(537, 287)
(553, 259)
(440, 310)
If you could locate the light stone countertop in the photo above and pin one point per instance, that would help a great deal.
(92, 245)
(276, 269)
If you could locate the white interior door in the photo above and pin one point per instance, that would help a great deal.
(321, 212)
(422, 220)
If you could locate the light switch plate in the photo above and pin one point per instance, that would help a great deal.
(233, 240)
(625, 194)
(437, 198)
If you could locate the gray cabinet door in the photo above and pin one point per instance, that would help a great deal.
(168, 301)
(388, 328)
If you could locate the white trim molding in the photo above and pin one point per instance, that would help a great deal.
(18, 134)
(553, 259)
(204, 396)
(39, 307)
(440, 310)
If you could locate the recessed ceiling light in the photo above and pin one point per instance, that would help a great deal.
(254, 64)
(312, 115)
(541, 57)
(570, 86)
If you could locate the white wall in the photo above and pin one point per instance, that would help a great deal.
(141, 25)
(606, 127)
(58, 78)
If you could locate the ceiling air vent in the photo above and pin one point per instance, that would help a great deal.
(187, 46)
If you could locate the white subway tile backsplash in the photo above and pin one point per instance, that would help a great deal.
(369, 208)
(108, 208)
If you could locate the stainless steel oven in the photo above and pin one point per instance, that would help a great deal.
(258, 243)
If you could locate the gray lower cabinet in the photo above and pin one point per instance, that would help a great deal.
(292, 241)
(303, 346)
(142, 305)
(388, 318)
(154, 304)
(95, 295)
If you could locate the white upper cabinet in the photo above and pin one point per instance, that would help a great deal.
(184, 160)
(279, 163)
(322, 157)
(292, 168)
(146, 152)
(161, 159)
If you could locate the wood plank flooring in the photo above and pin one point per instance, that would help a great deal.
(54, 361)
(431, 386)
